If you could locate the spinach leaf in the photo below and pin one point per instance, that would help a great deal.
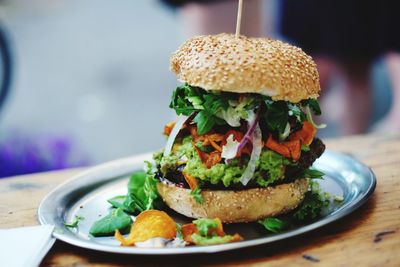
(142, 193)
(314, 105)
(118, 201)
(75, 222)
(205, 121)
(181, 103)
(135, 200)
(116, 219)
(133, 205)
(277, 116)
(295, 110)
(272, 224)
(150, 189)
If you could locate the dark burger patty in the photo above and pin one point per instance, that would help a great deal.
(291, 172)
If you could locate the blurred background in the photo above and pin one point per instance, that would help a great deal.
(83, 82)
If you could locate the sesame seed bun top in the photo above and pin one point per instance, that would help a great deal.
(264, 66)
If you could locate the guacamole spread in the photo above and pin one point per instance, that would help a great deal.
(269, 168)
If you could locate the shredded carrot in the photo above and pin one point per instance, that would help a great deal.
(192, 181)
(214, 145)
(168, 128)
(213, 158)
(215, 137)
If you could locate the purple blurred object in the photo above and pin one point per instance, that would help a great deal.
(22, 155)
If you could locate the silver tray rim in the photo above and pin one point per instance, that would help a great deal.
(110, 170)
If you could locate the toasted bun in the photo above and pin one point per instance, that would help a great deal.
(269, 67)
(236, 206)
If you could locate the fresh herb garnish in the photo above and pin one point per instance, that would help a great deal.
(305, 148)
(179, 233)
(314, 105)
(211, 108)
(75, 222)
(312, 206)
(116, 219)
(196, 194)
(273, 225)
(313, 174)
(309, 210)
(205, 121)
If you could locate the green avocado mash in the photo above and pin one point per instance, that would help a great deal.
(270, 166)
(214, 240)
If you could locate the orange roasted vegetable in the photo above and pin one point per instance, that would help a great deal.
(219, 230)
(237, 237)
(288, 149)
(305, 135)
(277, 147)
(294, 148)
(149, 224)
(188, 230)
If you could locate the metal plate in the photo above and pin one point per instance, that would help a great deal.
(86, 195)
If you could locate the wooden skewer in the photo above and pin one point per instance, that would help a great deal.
(239, 17)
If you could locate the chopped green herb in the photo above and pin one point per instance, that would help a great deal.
(273, 225)
(311, 207)
(75, 222)
(305, 148)
(196, 194)
(179, 233)
(313, 174)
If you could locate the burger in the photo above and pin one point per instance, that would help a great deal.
(244, 140)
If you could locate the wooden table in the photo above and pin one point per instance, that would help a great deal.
(368, 237)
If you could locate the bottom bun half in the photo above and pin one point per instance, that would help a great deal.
(236, 206)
